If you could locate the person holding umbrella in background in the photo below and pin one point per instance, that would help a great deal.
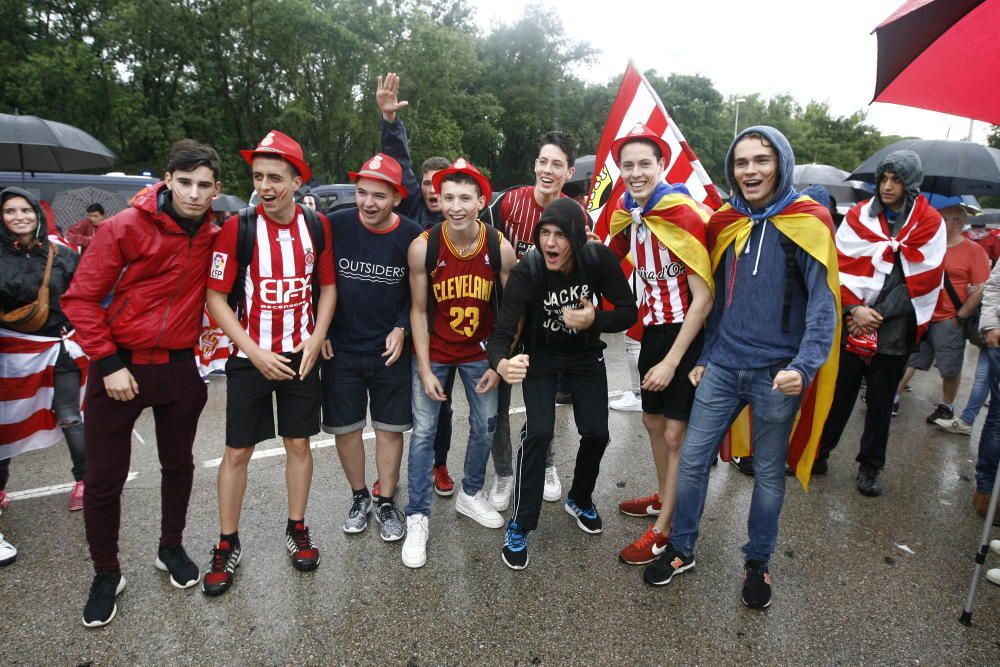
(81, 233)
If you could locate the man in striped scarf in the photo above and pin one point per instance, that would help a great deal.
(891, 252)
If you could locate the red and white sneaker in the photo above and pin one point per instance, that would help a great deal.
(222, 570)
(76, 497)
(648, 506)
(645, 549)
(4, 502)
(444, 485)
(301, 549)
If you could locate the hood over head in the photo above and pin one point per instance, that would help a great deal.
(570, 217)
(907, 166)
(41, 232)
(784, 192)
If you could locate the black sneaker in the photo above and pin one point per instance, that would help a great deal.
(222, 570)
(744, 464)
(868, 483)
(183, 572)
(564, 398)
(820, 467)
(942, 411)
(515, 547)
(301, 549)
(756, 584)
(895, 408)
(663, 569)
(588, 519)
(101, 608)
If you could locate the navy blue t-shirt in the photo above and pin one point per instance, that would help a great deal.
(373, 283)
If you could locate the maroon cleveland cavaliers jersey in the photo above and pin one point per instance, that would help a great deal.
(462, 286)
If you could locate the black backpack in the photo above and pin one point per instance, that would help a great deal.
(246, 241)
(793, 274)
(430, 265)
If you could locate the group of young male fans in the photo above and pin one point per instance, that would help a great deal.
(377, 309)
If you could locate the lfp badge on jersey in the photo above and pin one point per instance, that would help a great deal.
(219, 260)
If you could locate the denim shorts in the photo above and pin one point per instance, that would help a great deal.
(355, 382)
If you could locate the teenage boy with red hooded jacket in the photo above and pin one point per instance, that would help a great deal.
(155, 257)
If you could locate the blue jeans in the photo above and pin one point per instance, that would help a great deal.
(989, 440)
(980, 388)
(720, 397)
(426, 412)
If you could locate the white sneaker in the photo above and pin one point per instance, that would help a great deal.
(500, 492)
(954, 425)
(415, 545)
(8, 553)
(478, 509)
(553, 487)
(627, 402)
(994, 575)
(995, 546)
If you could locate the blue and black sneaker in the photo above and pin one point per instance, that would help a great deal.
(515, 547)
(588, 519)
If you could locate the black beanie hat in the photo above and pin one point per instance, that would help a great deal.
(570, 217)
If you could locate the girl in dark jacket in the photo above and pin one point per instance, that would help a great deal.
(24, 251)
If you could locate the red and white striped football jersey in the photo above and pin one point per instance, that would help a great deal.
(278, 301)
(665, 297)
(517, 216)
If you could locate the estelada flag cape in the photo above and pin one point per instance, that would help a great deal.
(868, 252)
(805, 223)
(677, 222)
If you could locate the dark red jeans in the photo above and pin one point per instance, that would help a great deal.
(177, 395)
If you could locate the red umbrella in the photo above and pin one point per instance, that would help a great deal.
(942, 55)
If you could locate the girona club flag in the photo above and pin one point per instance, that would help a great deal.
(637, 102)
(27, 380)
(212, 349)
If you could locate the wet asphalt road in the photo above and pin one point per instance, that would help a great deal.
(857, 580)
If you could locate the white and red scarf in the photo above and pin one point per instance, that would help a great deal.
(867, 253)
(27, 381)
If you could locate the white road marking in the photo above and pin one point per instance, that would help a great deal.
(214, 463)
(52, 490)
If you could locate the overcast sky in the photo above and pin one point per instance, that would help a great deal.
(812, 50)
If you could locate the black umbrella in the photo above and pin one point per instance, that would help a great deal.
(833, 179)
(224, 203)
(30, 143)
(70, 206)
(950, 167)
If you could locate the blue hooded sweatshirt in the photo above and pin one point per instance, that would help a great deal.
(746, 333)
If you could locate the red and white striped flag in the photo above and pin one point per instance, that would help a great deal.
(637, 102)
(212, 349)
(27, 380)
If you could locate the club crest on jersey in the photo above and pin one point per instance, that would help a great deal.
(309, 258)
(660, 243)
(219, 260)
